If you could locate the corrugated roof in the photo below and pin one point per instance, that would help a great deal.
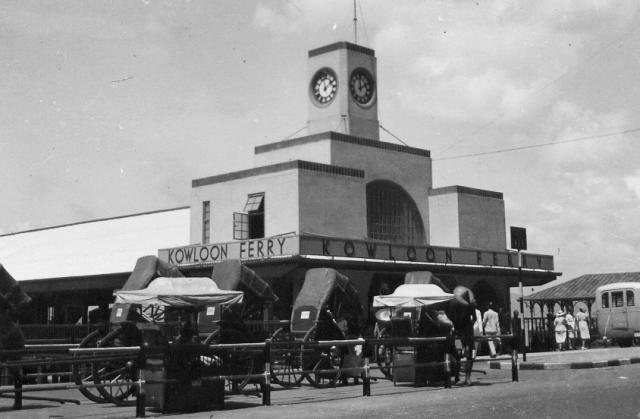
(583, 287)
(92, 248)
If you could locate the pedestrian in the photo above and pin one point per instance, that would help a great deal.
(560, 328)
(491, 325)
(583, 327)
(571, 329)
(478, 330)
(516, 329)
(504, 318)
(551, 345)
(464, 315)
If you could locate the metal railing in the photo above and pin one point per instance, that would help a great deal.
(71, 354)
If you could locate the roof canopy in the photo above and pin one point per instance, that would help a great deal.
(412, 295)
(582, 287)
(180, 292)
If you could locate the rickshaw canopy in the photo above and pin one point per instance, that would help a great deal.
(147, 269)
(193, 292)
(413, 295)
(230, 274)
(319, 286)
(10, 290)
(424, 277)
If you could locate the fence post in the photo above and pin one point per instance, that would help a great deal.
(17, 386)
(266, 386)
(447, 370)
(366, 378)
(514, 364)
(140, 394)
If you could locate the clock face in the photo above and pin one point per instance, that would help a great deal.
(324, 86)
(361, 86)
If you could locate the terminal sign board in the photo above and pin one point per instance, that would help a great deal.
(307, 245)
(244, 250)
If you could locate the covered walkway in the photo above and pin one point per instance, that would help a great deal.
(565, 296)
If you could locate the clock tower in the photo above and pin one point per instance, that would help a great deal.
(343, 90)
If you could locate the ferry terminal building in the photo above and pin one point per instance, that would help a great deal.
(338, 197)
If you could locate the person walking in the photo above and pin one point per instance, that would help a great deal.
(491, 325)
(582, 319)
(571, 329)
(478, 330)
(560, 328)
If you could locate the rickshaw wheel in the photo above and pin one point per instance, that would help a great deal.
(286, 360)
(324, 363)
(122, 388)
(83, 373)
(240, 364)
(384, 355)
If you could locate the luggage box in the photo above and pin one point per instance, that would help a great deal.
(404, 361)
(196, 393)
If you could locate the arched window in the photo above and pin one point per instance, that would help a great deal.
(392, 215)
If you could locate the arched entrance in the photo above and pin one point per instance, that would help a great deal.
(484, 293)
(392, 215)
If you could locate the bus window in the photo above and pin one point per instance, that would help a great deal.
(630, 298)
(605, 300)
(616, 299)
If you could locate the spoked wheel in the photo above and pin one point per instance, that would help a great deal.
(286, 360)
(242, 364)
(384, 355)
(114, 379)
(83, 373)
(322, 366)
(236, 364)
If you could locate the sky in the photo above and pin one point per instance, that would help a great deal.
(110, 108)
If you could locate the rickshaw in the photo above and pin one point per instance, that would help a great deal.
(187, 364)
(326, 308)
(412, 310)
(382, 328)
(230, 325)
(217, 323)
(122, 317)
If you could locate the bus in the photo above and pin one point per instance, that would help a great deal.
(618, 312)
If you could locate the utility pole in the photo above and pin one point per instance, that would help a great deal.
(519, 242)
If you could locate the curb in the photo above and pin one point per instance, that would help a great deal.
(498, 365)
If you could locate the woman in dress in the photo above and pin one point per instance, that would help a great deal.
(561, 330)
(571, 329)
(583, 327)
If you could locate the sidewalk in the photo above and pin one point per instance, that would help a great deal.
(590, 358)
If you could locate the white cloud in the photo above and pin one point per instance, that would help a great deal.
(633, 182)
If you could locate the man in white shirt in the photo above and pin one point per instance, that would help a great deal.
(491, 325)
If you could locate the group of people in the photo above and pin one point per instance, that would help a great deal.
(568, 328)
(493, 323)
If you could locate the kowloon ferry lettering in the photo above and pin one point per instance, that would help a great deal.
(248, 249)
(293, 245)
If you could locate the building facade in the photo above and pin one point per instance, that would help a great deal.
(337, 197)
(340, 197)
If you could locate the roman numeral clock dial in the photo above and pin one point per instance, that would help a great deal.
(324, 86)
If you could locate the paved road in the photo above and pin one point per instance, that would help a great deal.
(585, 393)
(590, 393)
